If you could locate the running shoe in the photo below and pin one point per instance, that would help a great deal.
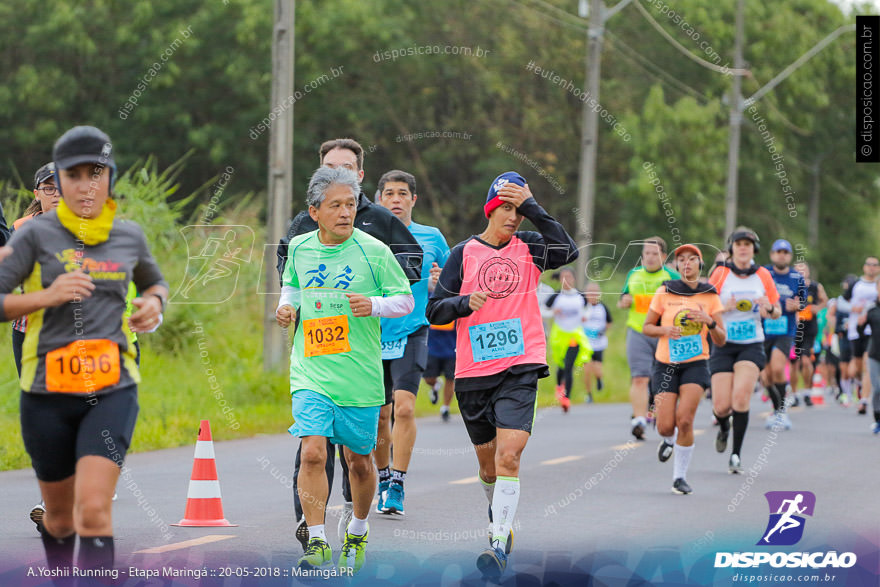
(344, 519)
(509, 545)
(733, 465)
(808, 401)
(566, 403)
(394, 500)
(560, 393)
(444, 413)
(588, 399)
(876, 430)
(435, 392)
(863, 408)
(638, 428)
(721, 440)
(37, 516)
(382, 493)
(352, 557)
(774, 421)
(664, 451)
(786, 421)
(681, 487)
(316, 555)
(492, 563)
(302, 534)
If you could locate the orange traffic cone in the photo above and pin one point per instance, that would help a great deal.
(204, 506)
(817, 393)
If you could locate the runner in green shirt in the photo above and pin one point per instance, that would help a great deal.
(639, 288)
(340, 281)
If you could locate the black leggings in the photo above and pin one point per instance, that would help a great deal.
(566, 373)
(17, 343)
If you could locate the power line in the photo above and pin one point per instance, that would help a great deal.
(683, 50)
(661, 75)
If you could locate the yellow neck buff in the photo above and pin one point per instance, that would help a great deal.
(91, 231)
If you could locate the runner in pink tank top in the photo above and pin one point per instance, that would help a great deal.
(488, 286)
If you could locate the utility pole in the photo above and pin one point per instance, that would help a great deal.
(597, 13)
(736, 112)
(280, 185)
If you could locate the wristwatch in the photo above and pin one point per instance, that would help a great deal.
(161, 300)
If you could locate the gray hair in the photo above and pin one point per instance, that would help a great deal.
(324, 177)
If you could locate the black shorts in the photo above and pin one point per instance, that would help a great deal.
(597, 356)
(724, 357)
(406, 372)
(667, 378)
(510, 405)
(859, 346)
(804, 346)
(438, 366)
(58, 430)
(845, 347)
(783, 343)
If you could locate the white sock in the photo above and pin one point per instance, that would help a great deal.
(671, 439)
(488, 489)
(357, 526)
(504, 502)
(317, 532)
(681, 460)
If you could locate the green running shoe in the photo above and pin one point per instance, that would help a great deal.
(508, 546)
(352, 558)
(316, 556)
(492, 563)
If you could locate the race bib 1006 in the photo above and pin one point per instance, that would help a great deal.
(496, 340)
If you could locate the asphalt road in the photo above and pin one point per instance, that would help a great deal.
(593, 500)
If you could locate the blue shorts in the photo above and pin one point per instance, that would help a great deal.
(315, 414)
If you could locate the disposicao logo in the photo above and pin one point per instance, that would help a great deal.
(785, 528)
(786, 524)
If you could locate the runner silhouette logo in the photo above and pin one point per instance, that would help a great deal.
(786, 524)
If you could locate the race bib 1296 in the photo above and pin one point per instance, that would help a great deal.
(496, 340)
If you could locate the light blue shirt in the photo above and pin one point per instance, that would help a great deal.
(435, 251)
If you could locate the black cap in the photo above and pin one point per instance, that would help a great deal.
(83, 144)
(44, 173)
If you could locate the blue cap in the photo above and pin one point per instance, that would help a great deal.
(492, 200)
(781, 244)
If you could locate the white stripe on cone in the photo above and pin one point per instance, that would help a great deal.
(203, 489)
(204, 449)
